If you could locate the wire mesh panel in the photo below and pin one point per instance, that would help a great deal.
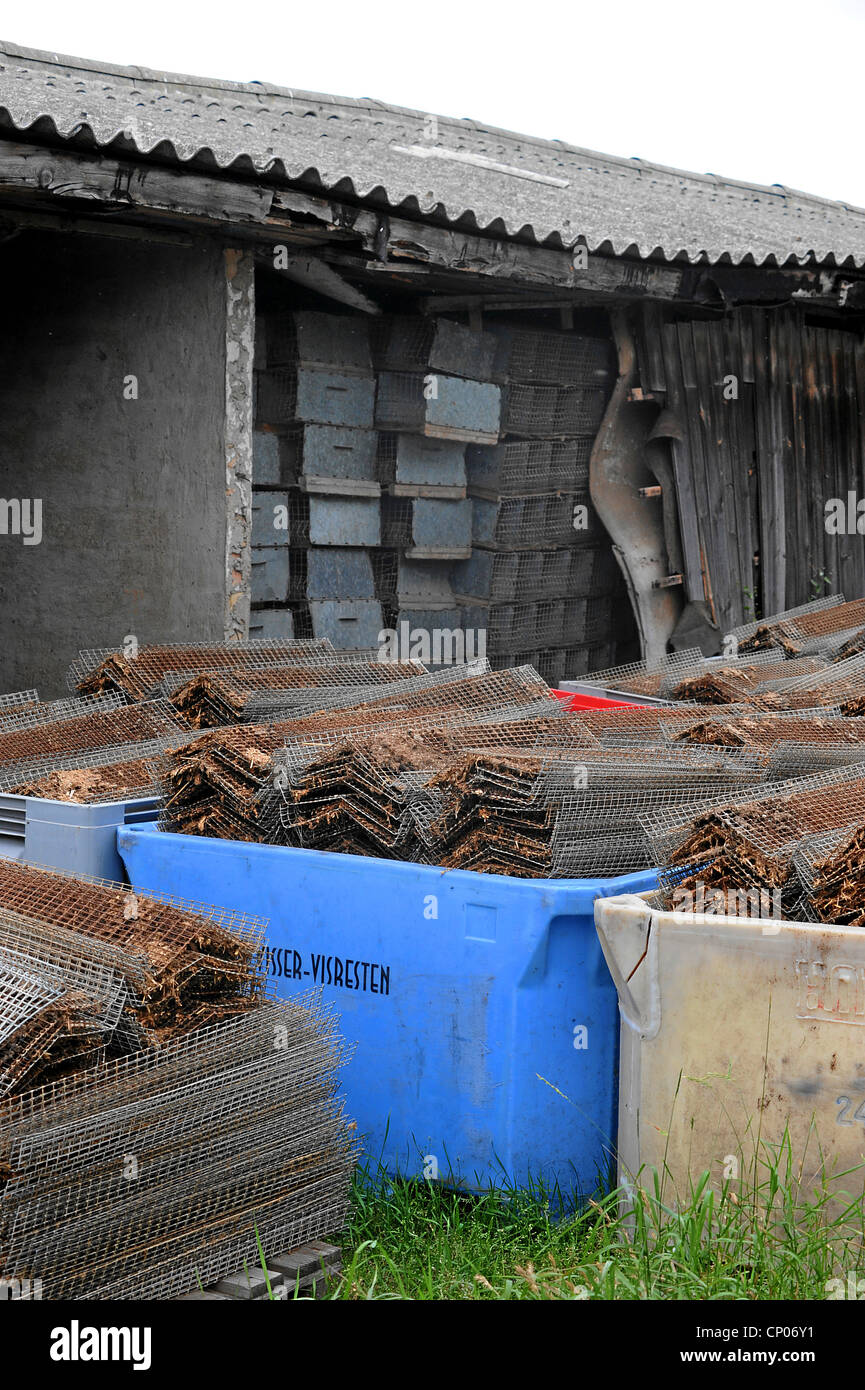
(139, 676)
(820, 605)
(645, 678)
(117, 773)
(18, 699)
(734, 680)
(237, 1142)
(52, 711)
(113, 727)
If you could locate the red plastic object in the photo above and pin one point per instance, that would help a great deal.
(593, 701)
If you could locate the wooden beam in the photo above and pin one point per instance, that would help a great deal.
(13, 219)
(122, 184)
(315, 274)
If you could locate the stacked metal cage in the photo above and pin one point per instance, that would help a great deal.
(462, 488)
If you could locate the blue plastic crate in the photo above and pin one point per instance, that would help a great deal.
(484, 1017)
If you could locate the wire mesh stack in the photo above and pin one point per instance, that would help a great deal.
(119, 773)
(178, 1118)
(822, 627)
(139, 676)
(487, 771)
(792, 742)
(750, 844)
(249, 695)
(542, 580)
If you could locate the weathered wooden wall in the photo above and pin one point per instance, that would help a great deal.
(769, 426)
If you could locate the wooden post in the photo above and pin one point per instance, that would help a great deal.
(239, 356)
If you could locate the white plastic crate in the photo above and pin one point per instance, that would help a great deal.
(738, 1035)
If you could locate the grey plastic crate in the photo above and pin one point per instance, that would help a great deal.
(427, 528)
(268, 623)
(270, 574)
(424, 467)
(440, 529)
(310, 396)
(424, 584)
(265, 458)
(266, 514)
(344, 521)
(403, 342)
(352, 623)
(330, 455)
(63, 835)
(336, 573)
(444, 407)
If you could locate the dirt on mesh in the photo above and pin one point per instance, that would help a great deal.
(86, 784)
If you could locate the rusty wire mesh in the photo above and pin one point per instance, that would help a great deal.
(138, 677)
(95, 729)
(120, 772)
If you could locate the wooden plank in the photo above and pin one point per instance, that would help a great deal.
(857, 441)
(800, 422)
(706, 492)
(681, 466)
(744, 322)
(11, 218)
(770, 474)
(396, 239)
(650, 346)
(739, 353)
(718, 525)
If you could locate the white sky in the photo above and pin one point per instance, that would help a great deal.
(768, 91)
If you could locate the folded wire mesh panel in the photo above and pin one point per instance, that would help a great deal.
(18, 700)
(754, 843)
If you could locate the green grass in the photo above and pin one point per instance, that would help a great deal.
(417, 1240)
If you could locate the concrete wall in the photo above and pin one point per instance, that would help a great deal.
(132, 491)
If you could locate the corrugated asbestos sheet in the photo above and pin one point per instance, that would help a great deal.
(472, 174)
(755, 471)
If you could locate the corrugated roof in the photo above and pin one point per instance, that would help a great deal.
(489, 179)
